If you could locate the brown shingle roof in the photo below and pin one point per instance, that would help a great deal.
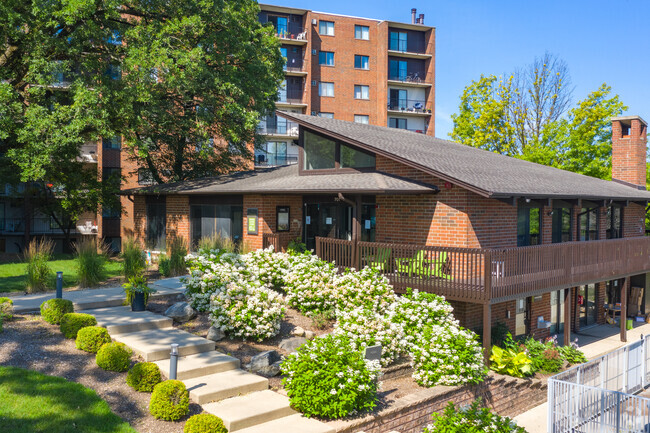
(487, 173)
(286, 180)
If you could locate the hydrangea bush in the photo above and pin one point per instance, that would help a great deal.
(329, 378)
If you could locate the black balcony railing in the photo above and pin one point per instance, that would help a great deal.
(407, 105)
(288, 30)
(419, 131)
(270, 160)
(290, 95)
(280, 128)
(408, 46)
(407, 77)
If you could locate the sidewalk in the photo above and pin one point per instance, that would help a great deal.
(594, 342)
(94, 298)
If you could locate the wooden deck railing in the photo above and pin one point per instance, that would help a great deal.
(279, 241)
(493, 275)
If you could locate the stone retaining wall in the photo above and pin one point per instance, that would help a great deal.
(506, 395)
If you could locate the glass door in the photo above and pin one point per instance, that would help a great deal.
(327, 220)
(587, 304)
(557, 312)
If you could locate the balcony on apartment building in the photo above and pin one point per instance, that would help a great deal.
(277, 127)
(408, 107)
(407, 72)
(290, 93)
(409, 44)
(274, 160)
(287, 27)
(293, 61)
(413, 125)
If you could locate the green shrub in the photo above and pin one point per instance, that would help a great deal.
(114, 357)
(551, 361)
(216, 242)
(39, 275)
(134, 261)
(143, 376)
(53, 310)
(325, 377)
(572, 354)
(471, 419)
(177, 253)
(169, 401)
(511, 362)
(296, 246)
(137, 284)
(164, 266)
(91, 257)
(71, 323)
(6, 308)
(91, 338)
(204, 423)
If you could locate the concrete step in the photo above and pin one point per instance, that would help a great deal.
(120, 320)
(154, 344)
(289, 424)
(250, 410)
(200, 364)
(220, 386)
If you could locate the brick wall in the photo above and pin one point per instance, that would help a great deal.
(629, 148)
(178, 217)
(266, 206)
(139, 217)
(507, 396)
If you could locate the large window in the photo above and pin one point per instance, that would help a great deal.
(322, 153)
(614, 222)
(285, 54)
(361, 62)
(207, 220)
(361, 92)
(326, 89)
(362, 118)
(588, 224)
(397, 99)
(112, 142)
(156, 226)
(397, 70)
(394, 122)
(398, 41)
(273, 153)
(326, 28)
(326, 115)
(562, 222)
(362, 32)
(326, 58)
(528, 226)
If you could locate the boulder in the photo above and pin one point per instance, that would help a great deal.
(263, 360)
(291, 344)
(215, 334)
(309, 335)
(181, 312)
(270, 371)
(298, 332)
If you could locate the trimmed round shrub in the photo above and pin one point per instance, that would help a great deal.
(204, 423)
(328, 378)
(170, 400)
(143, 376)
(114, 357)
(53, 310)
(91, 338)
(71, 323)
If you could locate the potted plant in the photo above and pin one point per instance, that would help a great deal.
(137, 292)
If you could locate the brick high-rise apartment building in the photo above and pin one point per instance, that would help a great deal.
(349, 68)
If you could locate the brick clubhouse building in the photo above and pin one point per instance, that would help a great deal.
(539, 249)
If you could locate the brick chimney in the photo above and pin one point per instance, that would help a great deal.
(629, 147)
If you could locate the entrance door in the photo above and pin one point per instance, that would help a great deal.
(587, 304)
(327, 220)
(557, 312)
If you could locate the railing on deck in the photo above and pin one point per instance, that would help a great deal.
(493, 275)
(279, 241)
(598, 396)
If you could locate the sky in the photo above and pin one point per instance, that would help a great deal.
(601, 42)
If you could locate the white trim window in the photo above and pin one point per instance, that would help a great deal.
(326, 89)
(362, 118)
(362, 32)
(326, 28)
(361, 92)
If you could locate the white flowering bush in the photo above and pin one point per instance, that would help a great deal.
(268, 266)
(367, 288)
(471, 419)
(329, 378)
(366, 328)
(310, 286)
(209, 273)
(247, 310)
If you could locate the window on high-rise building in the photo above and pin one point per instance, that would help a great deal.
(361, 62)
(326, 28)
(327, 115)
(361, 92)
(326, 58)
(394, 122)
(362, 32)
(112, 142)
(362, 118)
(326, 89)
(398, 41)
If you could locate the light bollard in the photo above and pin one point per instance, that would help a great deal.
(59, 285)
(173, 362)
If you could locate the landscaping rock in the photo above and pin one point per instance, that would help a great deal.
(270, 371)
(181, 312)
(215, 334)
(298, 332)
(264, 360)
(291, 344)
(309, 335)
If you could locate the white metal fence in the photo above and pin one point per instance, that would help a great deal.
(598, 396)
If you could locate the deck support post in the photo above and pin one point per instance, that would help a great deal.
(624, 289)
(487, 331)
(567, 316)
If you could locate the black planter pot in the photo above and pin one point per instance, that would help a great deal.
(137, 303)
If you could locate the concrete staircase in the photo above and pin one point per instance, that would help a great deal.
(215, 381)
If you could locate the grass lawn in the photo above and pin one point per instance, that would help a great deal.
(33, 402)
(13, 275)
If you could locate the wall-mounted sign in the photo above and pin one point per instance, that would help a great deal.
(367, 224)
(251, 221)
(307, 220)
(328, 220)
(283, 218)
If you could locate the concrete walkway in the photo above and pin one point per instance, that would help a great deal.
(594, 342)
(94, 298)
